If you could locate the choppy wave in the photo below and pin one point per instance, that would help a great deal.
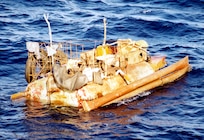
(172, 28)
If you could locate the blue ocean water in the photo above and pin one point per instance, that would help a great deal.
(174, 28)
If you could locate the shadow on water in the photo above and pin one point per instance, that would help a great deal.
(71, 122)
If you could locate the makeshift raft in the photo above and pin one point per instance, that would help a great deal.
(65, 74)
(94, 78)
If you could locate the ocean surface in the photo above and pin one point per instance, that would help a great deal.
(173, 28)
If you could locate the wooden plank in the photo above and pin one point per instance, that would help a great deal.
(159, 82)
(93, 104)
(18, 95)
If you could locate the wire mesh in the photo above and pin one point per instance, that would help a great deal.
(66, 50)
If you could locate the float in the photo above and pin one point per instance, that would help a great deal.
(67, 74)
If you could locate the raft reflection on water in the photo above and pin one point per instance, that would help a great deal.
(68, 121)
